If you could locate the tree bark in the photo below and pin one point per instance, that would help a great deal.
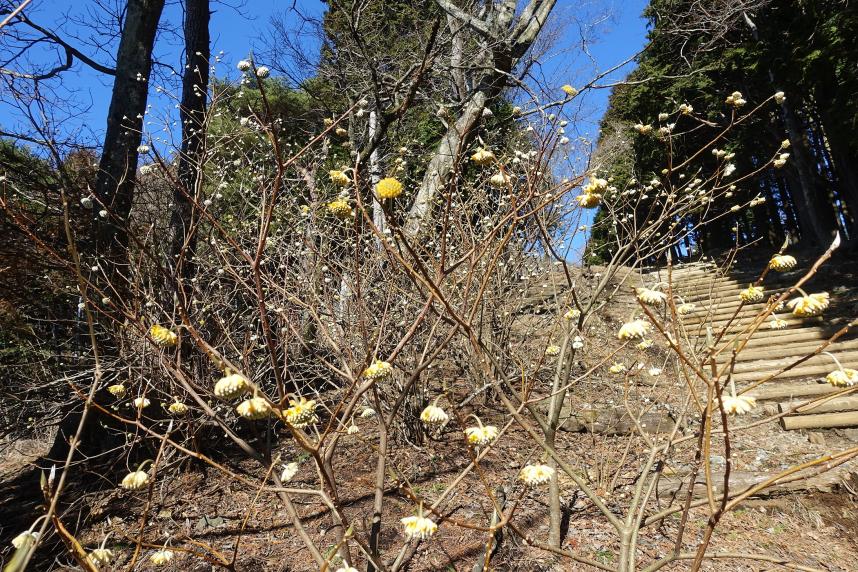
(192, 112)
(114, 183)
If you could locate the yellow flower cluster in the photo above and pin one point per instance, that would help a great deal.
(738, 405)
(483, 157)
(572, 314)
(340, 208)
(552, 351)
(378, 370)
(177, 408)
(752, 294)
(634, 330)
(388, 188)
(434, 415)
(26, 538)
(650, 297)
(569, 90)
(301, 413)
(339, 178)
(533, 475)
(135, 480)
(231, 386)
(811, 305)
(253, 408)
(100, 557)
(418, 527)
(617, 367)
(735, 99)
(117, 390)
(499, 180)
(161, 557)
(842, 377)
(686, 308)
(162, 336)
(778, 324)
(482, 435)
(589, 200)
(782, 262)
(643, 129)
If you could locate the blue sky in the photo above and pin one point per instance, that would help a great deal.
(237, 28)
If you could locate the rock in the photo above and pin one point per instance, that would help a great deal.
(816, 438)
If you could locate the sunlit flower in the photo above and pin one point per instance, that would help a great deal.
(572, 314)
(483, 157)
(352, 429)
(163, 336)
(552, 351)
(577, 343)
(253, 408)
(434, 415)
(177, 408)
(289, 472)
(100, 556)
(650, 297)
(634, 330)
(418, 527)
(617, 367)
(243, 65)
(780, 97)
(341, 132)
(481, 435)
(569, 90)
(339, 178)
(499, 179)
(596, 185)
(340, 208)
(141, 402)
(143, 149)
(782, 262)
(686, 109)
(644, 345)
(117, 390)
(86, 202)
(663, 116)
(643, 129)
(735, 99)
(135, 480)
(589, 200)
(533, 475)
(301, 413)
(738, 405)
(388, 188)
(752, 294)
(842, 377)
(367, 413)
(26, 538)
(778, 324)
(347, 569)
(262, 72)
(685, 308)
(161, 557)
(377, 370)
(810, 305)
(231, 386)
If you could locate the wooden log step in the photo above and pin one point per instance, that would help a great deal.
(783, 356)
(774, 391)
(808, 372)
(845, 403)
(820, 421)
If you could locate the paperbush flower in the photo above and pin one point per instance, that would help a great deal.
(654, 371)
(735, 99)
(643, 129)
(341, 132)
(552, 351)
(231, 386)
(483, 157)
(161, 557)
(378, 370)
(644, 345)
(340, 208)
(782, 262)
(634, 330)
(589, 200)
(253, 408)
(163, 336)
(595, 185)
(262, 72)
(533, 475)
(243, 65)
(481, 436)
(347, 569)
(738, 405)
(686, 308)
(301, 412)
(842, 377)
(117, 390)
(572, 314)
(26, 538)
(367, 413)
(650, 297)
(617, 367)
(780, 97)
(352, 429)
(177, 408)
(569, 90)
(143, 149)
(809, 305)
(752, 294)
(778, 324)
(418, 527)
(141, 403)
(339, 178)
(135, 480)
(388, 188)
(100, 556)
(434, 415)
(289, 472)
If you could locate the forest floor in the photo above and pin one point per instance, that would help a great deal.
(816, 528)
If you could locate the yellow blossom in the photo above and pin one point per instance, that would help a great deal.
(163, 336)
(253, 408)
(388, 188)
(644, 345)
(100, 557)
(842, 377)
(572, 314)
(340, 208)
(552, 351)
(26, 538)
(339, 178)
(289, 472)
(141, 402)
(809, 305)
(738, 405)
(418, 527)
(434, 415)
(481, 435)
(569, 90)
(650, 297)
(301, 412)
(617, 367)
(177, 408)
(778, 324)
(135, 480)
(378, 370)
(634, 330)
(752, 294)
(117, 390)
(589, 200)
(782, 262)
(533, 475)
(231, 386)
(161, 557)
(499, 179)
(686, 308)
(483, 157)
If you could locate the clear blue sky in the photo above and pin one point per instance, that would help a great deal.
(619, 32)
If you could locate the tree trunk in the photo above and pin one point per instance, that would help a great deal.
(114, 184)
(192, 112)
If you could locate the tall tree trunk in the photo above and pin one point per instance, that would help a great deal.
(114, 183)
(192, 112)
